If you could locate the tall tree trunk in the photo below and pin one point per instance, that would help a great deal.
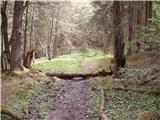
(25, 34)
(118, 35)
(4, 33)
(2, 66)
(139, 12)
(31, 29)
(49, 41)
(139, 22)
(56, 32)
(130, 20)
(148, 12)
(48, 44)
(16, 37)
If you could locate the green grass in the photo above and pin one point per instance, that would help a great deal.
(24, 97)
(44, 107)
(69, 63)
(122, 104)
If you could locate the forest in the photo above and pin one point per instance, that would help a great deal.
(80, 60)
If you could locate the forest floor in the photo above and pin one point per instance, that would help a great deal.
(45, 98)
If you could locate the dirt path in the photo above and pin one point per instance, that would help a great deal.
(71, 102)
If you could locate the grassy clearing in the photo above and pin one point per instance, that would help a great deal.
(74, 62)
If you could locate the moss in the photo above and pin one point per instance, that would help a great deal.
(122, 104)
(68, 63)
(44, 107)
(23, 98)
(94, 101)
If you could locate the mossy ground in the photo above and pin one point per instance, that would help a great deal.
(74, 62)
(122, 104)
(125, 101)
(29, 89)
(44, 107)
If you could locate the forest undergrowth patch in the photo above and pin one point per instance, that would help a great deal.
(123, 104)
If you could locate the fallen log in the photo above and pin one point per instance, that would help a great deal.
(150, 78)
(82, 75)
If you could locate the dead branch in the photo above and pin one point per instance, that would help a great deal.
(102, 116)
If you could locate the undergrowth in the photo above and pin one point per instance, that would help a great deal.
(24, 97)
(122, 104)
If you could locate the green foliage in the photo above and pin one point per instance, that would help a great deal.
(23, 99)
(150, 35)
(44, 107)
(123, 105)
(94, 101)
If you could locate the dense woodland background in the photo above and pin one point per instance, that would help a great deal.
(80, 60)
(56, 28)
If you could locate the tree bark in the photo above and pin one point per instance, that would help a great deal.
(31, 29)
(2, 66)
(72, 75)
(56, 32)
(16, 37)
(28, 59)
(118, 35)
(4, 35)
(25, 33)
(49, 41)
(148, 12)
(130, 20)
(139, 12)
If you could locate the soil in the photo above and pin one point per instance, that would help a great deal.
(70, 102)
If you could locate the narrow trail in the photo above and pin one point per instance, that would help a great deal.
(71, 103)
(70, 100)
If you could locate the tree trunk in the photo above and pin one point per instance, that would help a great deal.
(118, 35)
(49, 41)
(28, 59)
(139, 12)
(25, 34)
(2, 66)
(130, 20)
(56, 32)
(31, 29)
(4, 33)
(148, 12)
(16, 37)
